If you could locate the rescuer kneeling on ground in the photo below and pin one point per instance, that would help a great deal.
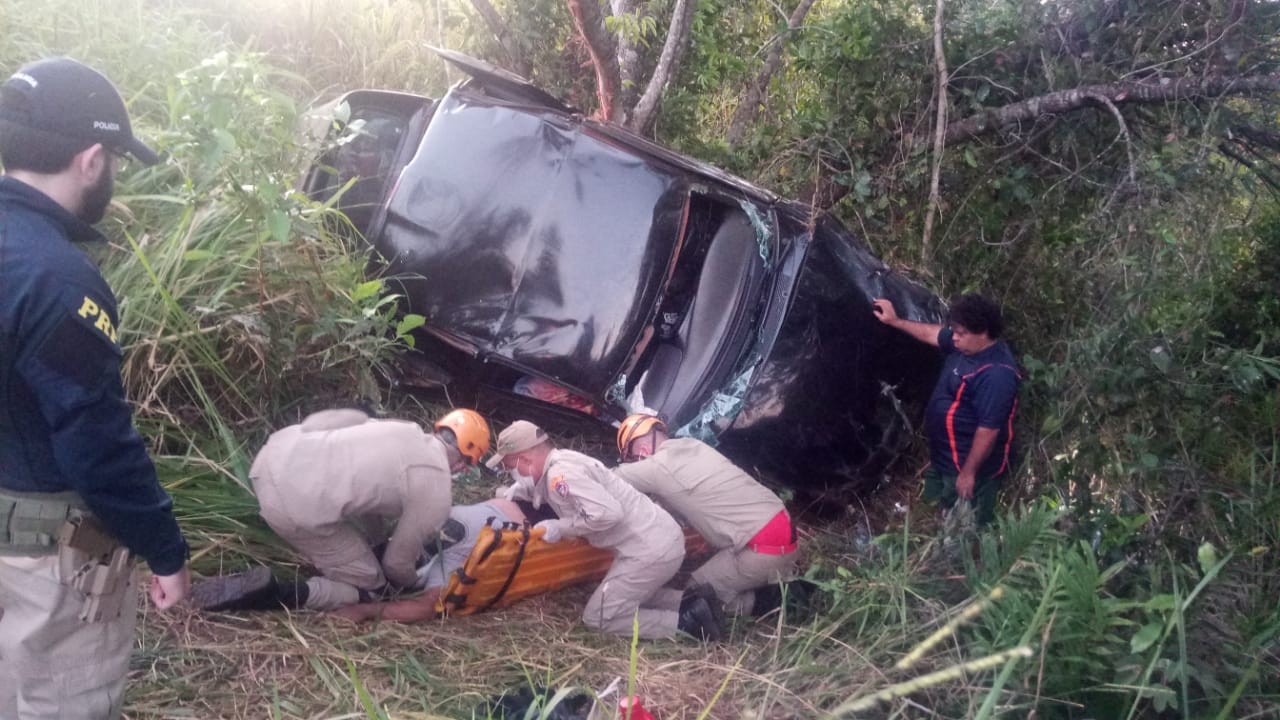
(741, 519)
(330, 486)
(595, 504)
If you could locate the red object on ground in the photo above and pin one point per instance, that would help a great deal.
(637, 710)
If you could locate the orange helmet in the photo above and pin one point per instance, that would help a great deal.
(471, 431)
(635, 426)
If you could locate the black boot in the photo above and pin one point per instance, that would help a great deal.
(713, 602)
(255, 589)
(698, 619)
(798, 594)
(766, 599)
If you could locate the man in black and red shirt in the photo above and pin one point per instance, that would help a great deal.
(970, 415)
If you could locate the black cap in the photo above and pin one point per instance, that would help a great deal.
(69, 98)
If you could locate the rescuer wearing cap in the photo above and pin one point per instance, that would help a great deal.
(593, 503)
(743, 520)
(330, 485)
(78, 493)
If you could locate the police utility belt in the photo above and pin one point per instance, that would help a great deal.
(90, 559)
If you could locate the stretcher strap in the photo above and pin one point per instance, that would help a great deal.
(515, 567)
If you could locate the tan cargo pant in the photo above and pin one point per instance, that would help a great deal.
(342, 551)
(634, 585)
(735, 574)
(53, 665)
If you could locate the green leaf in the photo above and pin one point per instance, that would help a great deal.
(1149, 461)
(409, 323)
(191, 255)
(226, 141)
(1160, 358)
(969, 159)
(1146, 637)
(1207, 555)
(278, 225)
(367, 289)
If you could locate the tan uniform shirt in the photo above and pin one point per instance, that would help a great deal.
(726, 505)
(596, 505)
(340, 464)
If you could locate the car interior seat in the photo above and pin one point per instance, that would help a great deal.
(710, 337)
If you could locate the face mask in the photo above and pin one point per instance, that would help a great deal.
(521, 479)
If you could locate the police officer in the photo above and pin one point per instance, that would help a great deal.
(330, 485)
(78, 493)
(591, 502)
(743, 520)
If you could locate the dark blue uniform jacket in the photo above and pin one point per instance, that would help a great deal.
(64, 421)
(973, 391)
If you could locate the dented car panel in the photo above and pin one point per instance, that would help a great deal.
(538, 243)
(507, 229)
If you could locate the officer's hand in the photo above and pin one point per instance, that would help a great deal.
(884, 310)
(964, 485)
(169, 590)
(551, 530)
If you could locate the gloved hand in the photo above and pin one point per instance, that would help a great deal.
(552, 530)
(517, 490)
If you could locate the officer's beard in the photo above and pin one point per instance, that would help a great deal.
(93, 206)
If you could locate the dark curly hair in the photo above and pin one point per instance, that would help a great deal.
(977, 314)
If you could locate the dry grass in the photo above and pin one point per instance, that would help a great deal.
(245, 666)
(295, 665)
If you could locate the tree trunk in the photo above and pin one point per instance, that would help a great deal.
(600, 46)
(753, 100)
(940, 123)
(628, 57)
(518, 63)
(668, 65)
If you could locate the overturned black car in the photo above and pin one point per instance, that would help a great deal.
(564, 263)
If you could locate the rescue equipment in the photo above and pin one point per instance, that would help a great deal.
(635, 426)
(511, 562)
(470, 431)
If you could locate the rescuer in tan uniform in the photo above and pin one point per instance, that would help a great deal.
(743, 520)
(594, 504)
(330, 487)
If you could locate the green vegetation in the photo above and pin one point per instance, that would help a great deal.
(1137, 571)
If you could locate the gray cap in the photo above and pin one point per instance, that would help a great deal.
(516, 437)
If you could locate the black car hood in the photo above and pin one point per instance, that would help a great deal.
(526, 238)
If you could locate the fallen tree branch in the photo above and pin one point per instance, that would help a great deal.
(1117, 93)
(1124, 133)
(1225, 148)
